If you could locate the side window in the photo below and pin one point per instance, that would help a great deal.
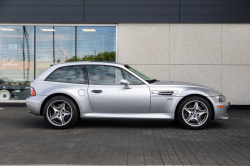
(104, 75)
(69, 74)
(132, 79)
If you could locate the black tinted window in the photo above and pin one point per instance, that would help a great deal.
(132, 79)
(70, 74)
(104, 75)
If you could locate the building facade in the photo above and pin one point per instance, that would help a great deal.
(205, 42)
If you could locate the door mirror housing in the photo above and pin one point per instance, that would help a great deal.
(126, 83)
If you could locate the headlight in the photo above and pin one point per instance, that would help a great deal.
(222, 98)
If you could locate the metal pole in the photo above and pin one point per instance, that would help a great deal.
(28, 51)
(54, 56)
(34, 52)
(75, 43)
(23, 55)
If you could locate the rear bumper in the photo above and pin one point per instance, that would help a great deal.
(34, 103)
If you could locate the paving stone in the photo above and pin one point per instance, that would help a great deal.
(26, 139)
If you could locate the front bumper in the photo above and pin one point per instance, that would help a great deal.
(34, 103)
(220, 113)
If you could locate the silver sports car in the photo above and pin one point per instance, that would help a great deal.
(68, 91)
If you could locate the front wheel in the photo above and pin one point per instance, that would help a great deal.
(194, 112)
(60, 112)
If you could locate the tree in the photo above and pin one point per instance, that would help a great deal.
(102, 56)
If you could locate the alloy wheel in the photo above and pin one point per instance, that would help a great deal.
(59, 113)
(195, 113)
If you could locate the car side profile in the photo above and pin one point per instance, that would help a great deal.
(68, 91)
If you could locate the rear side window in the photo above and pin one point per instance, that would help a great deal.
(69, 74)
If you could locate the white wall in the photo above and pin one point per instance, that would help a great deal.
(215, 55)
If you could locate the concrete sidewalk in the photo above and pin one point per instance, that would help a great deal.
(26, 139)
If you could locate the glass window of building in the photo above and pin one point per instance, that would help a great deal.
(26, 51)
(54, 45)
(16, 61)
(64, 44)
(44, 48)
(96, 43)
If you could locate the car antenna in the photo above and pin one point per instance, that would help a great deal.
(62, 53)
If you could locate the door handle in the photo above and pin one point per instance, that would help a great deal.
(96, 91)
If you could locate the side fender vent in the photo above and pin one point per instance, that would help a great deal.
(164, 93)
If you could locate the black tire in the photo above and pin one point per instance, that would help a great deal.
(69, 114)
(199, 119)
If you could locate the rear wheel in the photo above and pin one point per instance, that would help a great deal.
(194, 112)
(5, 95)
(60, 112)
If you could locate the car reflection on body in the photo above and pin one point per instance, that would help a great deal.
(68, 91)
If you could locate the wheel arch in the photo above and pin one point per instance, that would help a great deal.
(58, 94)
(199, 95)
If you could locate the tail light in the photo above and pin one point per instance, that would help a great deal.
(32, 91)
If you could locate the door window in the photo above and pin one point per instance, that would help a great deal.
(132, 79)
(104, 75)
(69, 74)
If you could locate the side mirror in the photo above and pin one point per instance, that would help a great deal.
(126, 83)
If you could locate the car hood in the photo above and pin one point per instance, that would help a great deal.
(177, 83)
(184, 88)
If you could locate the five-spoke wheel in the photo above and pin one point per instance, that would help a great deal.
(60, 112)
(194, 112)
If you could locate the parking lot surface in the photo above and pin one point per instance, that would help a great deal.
(26, 139)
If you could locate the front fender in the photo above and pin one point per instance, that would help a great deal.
(168, 104)
(203, 91)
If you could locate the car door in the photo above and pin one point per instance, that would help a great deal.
(107, 95)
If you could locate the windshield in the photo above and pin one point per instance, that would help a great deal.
(140, 74)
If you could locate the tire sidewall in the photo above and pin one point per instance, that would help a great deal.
(5, 90)
(68, 101)
(192, 98)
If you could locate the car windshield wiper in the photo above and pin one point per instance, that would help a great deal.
(152, 81)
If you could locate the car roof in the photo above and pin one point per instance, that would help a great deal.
(53, 67)
(87, 63)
